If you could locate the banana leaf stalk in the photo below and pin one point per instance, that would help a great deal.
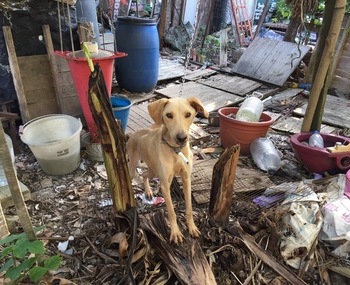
(113, 141)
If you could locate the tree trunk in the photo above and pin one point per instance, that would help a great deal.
(293, 27)
(315, 107)
(224, 173)
(112, 142)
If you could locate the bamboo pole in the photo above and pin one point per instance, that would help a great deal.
(325, 63)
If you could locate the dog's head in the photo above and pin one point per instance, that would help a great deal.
(176, 115)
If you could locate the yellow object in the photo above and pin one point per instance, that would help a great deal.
(339, 147)
(88, 56)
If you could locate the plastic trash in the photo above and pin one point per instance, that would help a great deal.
(316, 140)
(250, 110)
(265, 155)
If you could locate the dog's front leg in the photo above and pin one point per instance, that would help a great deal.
(175, 233)
(192, 228)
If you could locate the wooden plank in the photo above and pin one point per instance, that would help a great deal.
(53, 65)
(223, 48)
(233, 84)
(211, 98)
(270, 60)
(41, 82)
(16, 74)
(170, 69)
(5, 195)
(200, 73)
(139, 119)
(293, 125)
(34, 64)
(336, 112)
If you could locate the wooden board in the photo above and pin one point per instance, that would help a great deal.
(37, 84)
(336, 112)
(293, 125)
(199, 74)
(270, 60)
(6, 198)
(68, 94)
(233, 84)
(212, 99)
(170, 69)
(247, 179)
(139, 119)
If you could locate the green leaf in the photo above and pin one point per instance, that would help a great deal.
(11, 238)
(53, 262)
(16, 272)
(7, 265)
(6, 251)
(36, 247)
(20, 248)
(36, 273)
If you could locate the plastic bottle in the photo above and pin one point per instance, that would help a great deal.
(250, 110)
(316, 140)
(265, 155)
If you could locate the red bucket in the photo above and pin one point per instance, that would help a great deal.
(80, 71)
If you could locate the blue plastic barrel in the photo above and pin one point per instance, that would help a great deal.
(138, 37)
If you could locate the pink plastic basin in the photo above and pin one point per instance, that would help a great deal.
(319, 160)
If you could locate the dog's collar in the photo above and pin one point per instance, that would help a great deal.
(177, 150)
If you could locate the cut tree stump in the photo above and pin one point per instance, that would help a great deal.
(224, 174)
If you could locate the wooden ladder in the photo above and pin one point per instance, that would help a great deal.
(241, 21)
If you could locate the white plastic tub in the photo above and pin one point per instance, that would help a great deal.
(55, 142)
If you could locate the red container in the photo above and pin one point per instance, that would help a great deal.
(80, 71)
(319, 160)
(233, 131)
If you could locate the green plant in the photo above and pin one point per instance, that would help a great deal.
(282, 12)
(22, 258)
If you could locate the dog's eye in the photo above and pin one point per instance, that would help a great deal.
(169, 115)
(188, 115)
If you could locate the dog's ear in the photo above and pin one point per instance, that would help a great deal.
(198, 106)
(155, 109)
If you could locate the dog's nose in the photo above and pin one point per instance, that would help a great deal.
(181, 138)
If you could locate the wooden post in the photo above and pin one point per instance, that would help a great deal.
(223, 48)
(262, 18)
(323, 68)
(162, 24)
(16, 74)
(86, 32)
(53, 65)
(4, 230)
(224, 174)
(15, 189)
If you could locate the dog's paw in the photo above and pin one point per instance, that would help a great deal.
(176, 236)
(149, 195)
(194, 231)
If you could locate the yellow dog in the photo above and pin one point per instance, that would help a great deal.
(166, 150)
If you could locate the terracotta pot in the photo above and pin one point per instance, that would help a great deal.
(233, 131)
